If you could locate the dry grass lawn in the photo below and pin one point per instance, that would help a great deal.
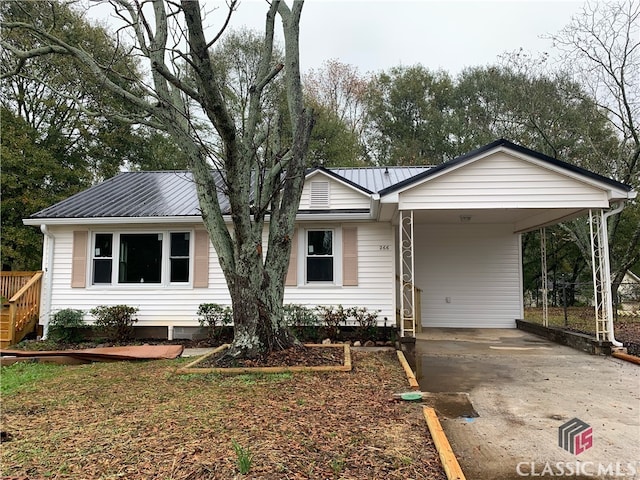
(140, 421)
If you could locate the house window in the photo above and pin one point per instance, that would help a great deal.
(179, 257)
(140, 258)
(126, 258)
(319, 256)
(102, 259)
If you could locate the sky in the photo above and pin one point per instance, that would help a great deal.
(375, 35)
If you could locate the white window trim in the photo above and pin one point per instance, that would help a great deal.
(337, 256)
(165, 265)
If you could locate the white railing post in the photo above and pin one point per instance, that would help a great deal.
(544, 280)
(601, 274)
(407, 269)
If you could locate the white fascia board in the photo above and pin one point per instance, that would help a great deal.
(303, 217)
(627, 195)
(111, 220)
(393, 197)
(179, 219)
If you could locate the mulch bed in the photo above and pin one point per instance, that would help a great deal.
(302, 356)
(138, 421)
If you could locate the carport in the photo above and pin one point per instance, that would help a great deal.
(459, 234)
(524, 389)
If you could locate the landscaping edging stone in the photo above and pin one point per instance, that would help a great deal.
(193, 368)
(579, 341)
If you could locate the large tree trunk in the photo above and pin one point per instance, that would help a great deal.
(255, 282)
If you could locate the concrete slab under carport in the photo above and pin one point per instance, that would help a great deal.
(524, 388)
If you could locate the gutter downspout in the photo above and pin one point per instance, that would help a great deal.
(605, 234)
(374, 207)
(48, 270)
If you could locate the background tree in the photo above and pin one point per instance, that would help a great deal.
(601, 49)
(545, 111)
(258, 167)
(337, 92)
(409, 114)
(33, 177)
(53, 142)
(333, 143)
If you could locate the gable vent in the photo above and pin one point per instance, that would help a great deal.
(319, 196)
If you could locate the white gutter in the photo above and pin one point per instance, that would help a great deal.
(113, 220)
(45, 304)
(182, 219)
(605, 234)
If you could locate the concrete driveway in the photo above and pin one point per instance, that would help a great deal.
(523, 389)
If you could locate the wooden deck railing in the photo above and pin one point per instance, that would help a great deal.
(24, 302)
(11, 282)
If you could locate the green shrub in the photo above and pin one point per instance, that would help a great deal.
(212, 317)
(332, 318)
(302, 321)
(366, 321)
(115, 322)
(65, 326)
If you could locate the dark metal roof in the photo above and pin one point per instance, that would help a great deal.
(133, 194)
(173, 193)
(375, 179)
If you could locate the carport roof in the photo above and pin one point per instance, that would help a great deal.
(511, 146)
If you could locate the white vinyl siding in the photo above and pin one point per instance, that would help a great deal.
(375, 275)
(470, 275)
(159, 305)
(502, 181)
(341, 196)
(177, 304)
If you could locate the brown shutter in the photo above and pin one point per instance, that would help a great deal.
(292, 273)
(79, 260)
(201, 259)
(350, 256)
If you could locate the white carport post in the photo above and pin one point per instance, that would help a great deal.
(407, 265)
(544, 279)
(601, 275)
